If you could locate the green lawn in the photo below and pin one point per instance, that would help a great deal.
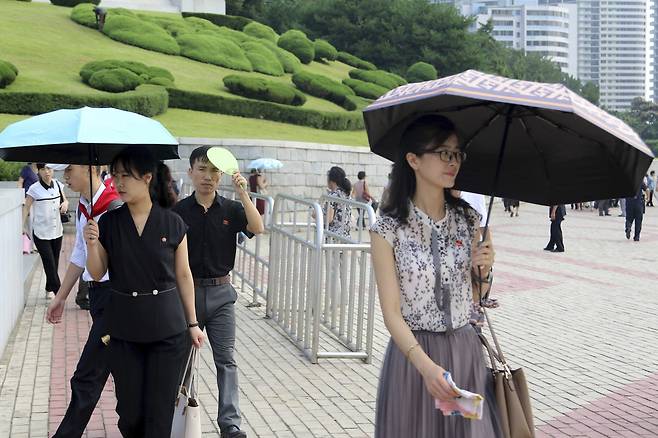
(185, 123)
(49, 48)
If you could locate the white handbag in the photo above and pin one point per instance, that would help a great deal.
(187, 412)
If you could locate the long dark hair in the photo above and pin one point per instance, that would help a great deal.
(337, 174)
(138, 161)
(425, 134)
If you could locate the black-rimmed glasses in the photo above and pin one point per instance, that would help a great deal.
(447, 156)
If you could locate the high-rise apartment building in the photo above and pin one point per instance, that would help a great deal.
(608, 42)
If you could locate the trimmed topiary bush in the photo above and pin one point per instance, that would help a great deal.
(420, 72)
(231, 21)
(147, 73)
(325, 88)
(262, 59)
(214, 49)
(8, 73)
(84, 14)
(365, 89)
(296, 42)
(173, 26)
(148, 100)
(355, 61)
(233, 35)
(140, 33)
(72, 3)
(379, 77)
(262, 89)
(212, 103)
(116, 80)
(324, 50)
(261, 31)
(199, 24)
(290, 63)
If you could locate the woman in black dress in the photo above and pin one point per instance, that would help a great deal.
(150, 314)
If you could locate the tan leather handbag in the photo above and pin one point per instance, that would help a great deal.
(511, 391)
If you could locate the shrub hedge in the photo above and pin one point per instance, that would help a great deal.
(324, 50)
(262, 31)
(262, 59)
(131, 30)
(325, 88)
(8, 73)
(200, 24)
(421, 71)
(290, 63)
(355, 61)
(264, 110)
(365, 89)
(234, 35)
(379, 77)
(214, 49)
(84, 14)
(115, 80)
(148, 100)
(72, 3)
(146, 74)
(296, 42)
(262, 89)
(230, 21)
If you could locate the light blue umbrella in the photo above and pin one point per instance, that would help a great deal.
(84, 136)
(265, 164)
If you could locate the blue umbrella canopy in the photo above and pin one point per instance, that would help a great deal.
(84, 136)
(531, 141)
(265, 164)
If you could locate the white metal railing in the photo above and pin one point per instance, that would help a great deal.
(303, 294)
(12, 294)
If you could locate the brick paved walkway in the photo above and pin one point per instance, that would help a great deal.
(582, 324)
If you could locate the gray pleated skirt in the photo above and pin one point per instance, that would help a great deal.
(405, 409)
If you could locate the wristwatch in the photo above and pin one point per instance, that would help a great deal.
(193, 324)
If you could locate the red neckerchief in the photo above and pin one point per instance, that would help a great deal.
(100, 206)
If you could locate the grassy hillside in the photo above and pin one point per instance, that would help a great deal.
(185, 123)
(49, 49)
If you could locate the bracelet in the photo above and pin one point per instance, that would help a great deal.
(411, 349)
(193, 324)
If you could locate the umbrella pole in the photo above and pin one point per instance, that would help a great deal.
(91, 181)
(499, 165)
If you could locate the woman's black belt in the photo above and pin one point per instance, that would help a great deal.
(146, 293)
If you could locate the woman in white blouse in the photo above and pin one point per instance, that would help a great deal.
(426, 257)
(47, 200)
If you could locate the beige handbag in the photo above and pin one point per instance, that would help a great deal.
(511, 391)
(187, 412)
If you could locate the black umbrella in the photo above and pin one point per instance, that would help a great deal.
(530, 141)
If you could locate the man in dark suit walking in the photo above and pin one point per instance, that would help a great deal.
(556, 214)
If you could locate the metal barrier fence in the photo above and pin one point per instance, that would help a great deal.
(303, 293)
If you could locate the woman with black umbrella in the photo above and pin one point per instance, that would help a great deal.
(150, 315)
(427, 258)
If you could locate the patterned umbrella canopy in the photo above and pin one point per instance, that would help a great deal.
(531, 141)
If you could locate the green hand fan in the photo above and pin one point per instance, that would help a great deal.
(223, 159)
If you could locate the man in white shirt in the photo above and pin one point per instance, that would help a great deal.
(92, 370)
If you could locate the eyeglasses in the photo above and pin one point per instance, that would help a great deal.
(447, 156)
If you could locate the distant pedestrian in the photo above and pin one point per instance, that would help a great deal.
(651, 187)
(47, 200)
(361, 193)
(514, 207)
(556, 214)
(258, 184)
(338, 215)
(634, 213)
(28, 176)
(604, 207)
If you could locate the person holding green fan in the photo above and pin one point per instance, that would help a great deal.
(214, 223)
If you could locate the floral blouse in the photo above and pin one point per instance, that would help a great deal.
(416, 270)
(342, 222)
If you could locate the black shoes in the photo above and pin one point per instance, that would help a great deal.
(557, 250)
(233, 432)
(637, 239)
(548, 249)
(628, 234)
